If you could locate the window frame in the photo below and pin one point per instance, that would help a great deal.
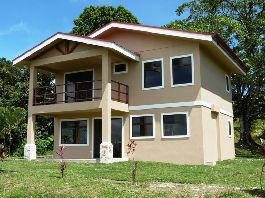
(229, 125)
(142, 137)
(192, 71)
(162, 73)
(123, 72)
(76, 119)
(229, 84)
(175, 136)
(78, 71)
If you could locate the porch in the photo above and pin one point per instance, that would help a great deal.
(84, 84)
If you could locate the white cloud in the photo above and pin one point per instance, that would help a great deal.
(18, 27)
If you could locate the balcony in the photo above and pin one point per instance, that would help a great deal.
(78, 92)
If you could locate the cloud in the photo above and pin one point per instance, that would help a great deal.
(18, 27)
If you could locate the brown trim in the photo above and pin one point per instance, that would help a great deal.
(150, 26)
(216, 37)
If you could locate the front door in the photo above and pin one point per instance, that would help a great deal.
(79, 86)
(116, 136)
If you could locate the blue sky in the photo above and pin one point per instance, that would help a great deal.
(24, 23)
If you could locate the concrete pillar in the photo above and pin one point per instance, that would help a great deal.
(106, 147)
(30, 147)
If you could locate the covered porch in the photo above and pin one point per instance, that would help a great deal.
(83, 85)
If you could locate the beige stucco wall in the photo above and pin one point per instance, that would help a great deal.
(180, 151)
(155, 47)
(217, 144)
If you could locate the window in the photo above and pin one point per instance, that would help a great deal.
(142, 126)
(182, 70)
(120, 68)
(153, 74)
(74, 132)
(229, 129)
(227, 85)
(174, 125)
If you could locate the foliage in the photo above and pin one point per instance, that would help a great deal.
(104, 180)
(131, 148)
(241, 23)
(60, 152)
(94, 17)
(10, 117)
(3, 150)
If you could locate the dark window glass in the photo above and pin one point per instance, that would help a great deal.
(175, 125)
(120, 68)
(152, 74)
(74, 132)
(229, 128)
(227, 83)
(78, 86)
(142, 126)
(182, 70)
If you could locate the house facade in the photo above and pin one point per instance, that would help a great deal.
(168, 90)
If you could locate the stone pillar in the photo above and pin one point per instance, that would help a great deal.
(30, 147)
(106, 147)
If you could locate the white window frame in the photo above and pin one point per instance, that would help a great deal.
(175, 136)
(72, 72)
(229, 122)
(229, 84)
(123, 72)
(162, 73)
(192, 70)
(142, 137)
(76, 119)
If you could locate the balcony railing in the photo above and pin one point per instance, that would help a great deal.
(78, 92)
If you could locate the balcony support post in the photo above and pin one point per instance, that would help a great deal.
(106, 147)
(30, 147)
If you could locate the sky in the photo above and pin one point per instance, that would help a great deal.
(25, 23)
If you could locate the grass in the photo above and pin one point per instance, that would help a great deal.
(19, 178)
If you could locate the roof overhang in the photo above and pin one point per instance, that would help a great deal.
(213, 38)
(81, 39)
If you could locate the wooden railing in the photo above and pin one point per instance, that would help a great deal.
(78, 92)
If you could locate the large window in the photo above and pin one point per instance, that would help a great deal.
(153, 74)
(74, 132)
(142, 126)
(182, 70)
(174, 125)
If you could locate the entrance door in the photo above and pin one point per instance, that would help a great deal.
(79, 86)
(116, 136)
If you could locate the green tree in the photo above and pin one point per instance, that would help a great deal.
(241, 23)
(10, 118)
(94, 17)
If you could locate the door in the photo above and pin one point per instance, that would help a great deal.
(79, 86)
(116, 136)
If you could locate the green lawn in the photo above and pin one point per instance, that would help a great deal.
(236, 178)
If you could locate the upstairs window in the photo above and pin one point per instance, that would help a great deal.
(153, 74)
(227, 83)
(120, 68)
(182, 70)
(142, 126)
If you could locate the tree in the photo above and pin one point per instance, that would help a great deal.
(241, 23)
(10, 118)
(94, 17)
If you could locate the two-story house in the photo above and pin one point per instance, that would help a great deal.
(169, 90)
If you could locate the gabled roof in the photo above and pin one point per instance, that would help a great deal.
(213, 38)
(76, 38)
